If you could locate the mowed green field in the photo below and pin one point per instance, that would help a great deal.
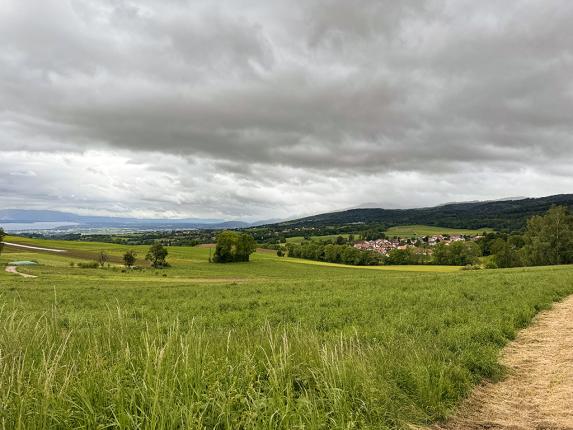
(428, 230)
(406, 231)
(273, 343)
(300, 239)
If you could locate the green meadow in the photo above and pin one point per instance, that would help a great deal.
(276, 343)
(300, 239)
(429, 230)
(405, 231)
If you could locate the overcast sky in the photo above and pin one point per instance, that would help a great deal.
(261, 109)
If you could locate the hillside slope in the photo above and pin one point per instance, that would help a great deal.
(501, 215)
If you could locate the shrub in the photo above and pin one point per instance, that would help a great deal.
(471, 267)
(102, 258)
(88, 264)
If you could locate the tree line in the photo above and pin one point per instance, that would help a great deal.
(331, 253)
(546, 241)
(457, 254)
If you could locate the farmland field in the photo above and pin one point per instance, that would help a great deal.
(274, 343)
(300, 239)
(428, 230)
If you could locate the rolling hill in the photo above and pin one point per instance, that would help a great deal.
(503, 215)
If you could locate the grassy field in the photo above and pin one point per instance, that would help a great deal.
(274, 343)
(300, 239)
(428, 230)
(406, 231)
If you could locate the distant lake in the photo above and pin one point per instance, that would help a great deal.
(25, 226)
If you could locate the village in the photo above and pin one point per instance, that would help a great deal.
(384, 246)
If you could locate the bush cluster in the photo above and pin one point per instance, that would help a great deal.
(88, 264)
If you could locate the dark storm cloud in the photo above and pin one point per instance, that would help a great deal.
(281, 94)
(321, 84)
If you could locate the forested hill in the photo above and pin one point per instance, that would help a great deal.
(502, 215)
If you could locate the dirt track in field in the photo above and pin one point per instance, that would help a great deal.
(538, 392)
(14, 269)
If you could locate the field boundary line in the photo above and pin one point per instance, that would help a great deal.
(37, 248)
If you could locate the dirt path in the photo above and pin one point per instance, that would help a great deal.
(14, 269)
(37, 248)
(538, 392)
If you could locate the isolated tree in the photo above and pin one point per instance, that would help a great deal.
(2, 236)
(225, 247)
(102, 258)
(233, 247)
(129, 258)
(549, 238)
(156, 256)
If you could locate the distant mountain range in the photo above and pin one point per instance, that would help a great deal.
(501, 214)
(19, 219)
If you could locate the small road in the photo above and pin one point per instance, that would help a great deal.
(538, 392)
(37, 248)
(14, 269)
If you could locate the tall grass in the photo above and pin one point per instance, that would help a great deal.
(113, 375)
(307, 347)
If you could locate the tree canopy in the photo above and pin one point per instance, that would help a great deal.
(156, 256)
(459, 253)
(233, 247)
(549, 238)
(344, 254)
(129, 258)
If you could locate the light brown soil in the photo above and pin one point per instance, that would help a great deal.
(538, 392)
(14, 269)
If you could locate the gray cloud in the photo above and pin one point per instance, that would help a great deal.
(291, 96)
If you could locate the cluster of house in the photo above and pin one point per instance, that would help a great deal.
(384, 246)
